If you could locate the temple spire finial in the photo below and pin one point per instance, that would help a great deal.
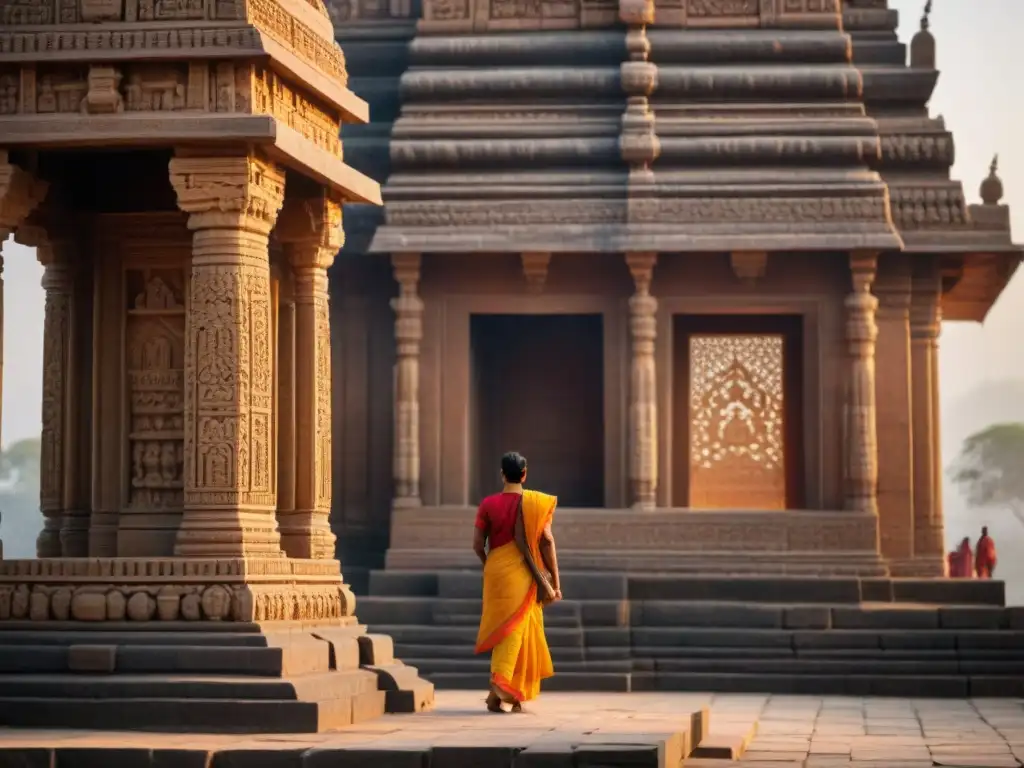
(922, 47)
(992, 186)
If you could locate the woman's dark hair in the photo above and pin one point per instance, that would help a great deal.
(513, 467)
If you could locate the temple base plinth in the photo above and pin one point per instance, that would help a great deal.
(229, 645)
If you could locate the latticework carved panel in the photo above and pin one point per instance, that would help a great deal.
(737, 451)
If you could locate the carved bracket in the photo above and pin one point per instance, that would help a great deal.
(535, 269)
(749, 266)
(641, 267)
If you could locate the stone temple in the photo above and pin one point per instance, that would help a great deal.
(691, 257)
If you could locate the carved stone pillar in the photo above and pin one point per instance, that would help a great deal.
(643, 404)
(311, 233)
(894, 403)
(925, 325)
(408, 309)
(230, 500)
(286, 416)
(862, 441)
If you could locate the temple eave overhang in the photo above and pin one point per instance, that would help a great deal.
(982, 278)
(570, 238)
(182, 129)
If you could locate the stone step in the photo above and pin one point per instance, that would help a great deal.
(154, 659)
(190, 714)
(431, 635)
(430, 667)
(654, 637)
(612, 682)
(448, 651)
(794, 590)
(473, 620)
(74, 633)
(312, 688)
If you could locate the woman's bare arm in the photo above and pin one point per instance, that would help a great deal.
(550, 556)
(480, 545)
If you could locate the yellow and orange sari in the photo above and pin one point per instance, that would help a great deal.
(512, 621)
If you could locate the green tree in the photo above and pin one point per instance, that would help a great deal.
(989, 471)
(19, 498)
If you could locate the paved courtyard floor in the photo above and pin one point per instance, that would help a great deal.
(775, 731)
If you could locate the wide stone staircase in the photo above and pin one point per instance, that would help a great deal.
(617, 632)
(200, 676)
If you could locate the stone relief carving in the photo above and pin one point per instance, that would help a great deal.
(8, 94)
(61, 91)
(273, 96)
(156, 88)
(155, 355)
(445, 10)
(171, 10)
(712, 8)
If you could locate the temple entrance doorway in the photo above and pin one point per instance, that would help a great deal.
(737, 412)
(538, 388)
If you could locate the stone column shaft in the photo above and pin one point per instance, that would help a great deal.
(408, 309)
(893, 392)
(925, 326)
(230, 498)
(643, 402)
(311, 232)
(862, 441)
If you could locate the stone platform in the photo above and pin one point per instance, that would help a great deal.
(587, 730)
(220, 645)
(637, 632)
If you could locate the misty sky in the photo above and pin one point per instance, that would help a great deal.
(980, 96)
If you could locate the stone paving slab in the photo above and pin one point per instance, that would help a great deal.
(580, 730)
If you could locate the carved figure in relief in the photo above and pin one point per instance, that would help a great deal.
(8, 94)
(20, 12)
(60, 94)
(156, 90)
(155, 358)
(168, 10)
(157, 295)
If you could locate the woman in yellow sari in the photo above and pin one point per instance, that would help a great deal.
(513, 540)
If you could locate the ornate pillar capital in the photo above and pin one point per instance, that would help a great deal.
(20, 194)
(926, 305)
(310, 230)
(228, 192)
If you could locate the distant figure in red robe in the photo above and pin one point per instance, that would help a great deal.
(985, 556)
(961, 561)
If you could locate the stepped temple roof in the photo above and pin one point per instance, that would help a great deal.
(682, 126)
(174, 73)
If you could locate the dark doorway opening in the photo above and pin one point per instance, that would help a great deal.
(538, 388)
(738, 412)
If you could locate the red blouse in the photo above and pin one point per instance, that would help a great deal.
(496, 517)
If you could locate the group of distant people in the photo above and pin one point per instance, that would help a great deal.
(967, 564)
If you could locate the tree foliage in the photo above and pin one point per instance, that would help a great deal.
(989, 471)
(19, 498)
